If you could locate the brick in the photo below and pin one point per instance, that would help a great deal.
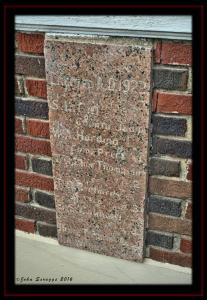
(166, 206)
(176, 53)
(38, 128)
(17, 90)
(154, 100)
(176, 258)
(33, 146)
(169, 126)
(176, 148)
(35, 213)
(164, 167)
(189, 174)
(169, 224)
(170, 79)
(190, 83)
(29, 108)
(30, 65)
(170, 188)
(186, 245)
(157, 52)
(42, 166)
(36, 88)
(18, 126)
(25, 225)
(160, 240)
(19, 87)
(21, 162)
(34, 181)
(45, 229)
(172, 103)
(22, 194)
(30, 43)
(44, 199)
(188, 214)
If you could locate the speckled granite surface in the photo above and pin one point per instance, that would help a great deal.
(99, 93)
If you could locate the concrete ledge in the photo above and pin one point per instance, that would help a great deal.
(167, 27)
(43, 258)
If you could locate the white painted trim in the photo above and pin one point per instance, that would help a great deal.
(167, 27)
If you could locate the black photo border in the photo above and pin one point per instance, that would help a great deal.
(8, 11)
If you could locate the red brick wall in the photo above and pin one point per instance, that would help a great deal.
(169, 220)
(35, 208)
(168, 226)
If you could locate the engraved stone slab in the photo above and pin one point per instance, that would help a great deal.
(98, 93)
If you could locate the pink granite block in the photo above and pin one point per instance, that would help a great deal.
(99, 94)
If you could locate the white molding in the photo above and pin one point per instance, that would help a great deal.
(167, 27)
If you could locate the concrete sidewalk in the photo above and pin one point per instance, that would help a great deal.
(42, 260)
